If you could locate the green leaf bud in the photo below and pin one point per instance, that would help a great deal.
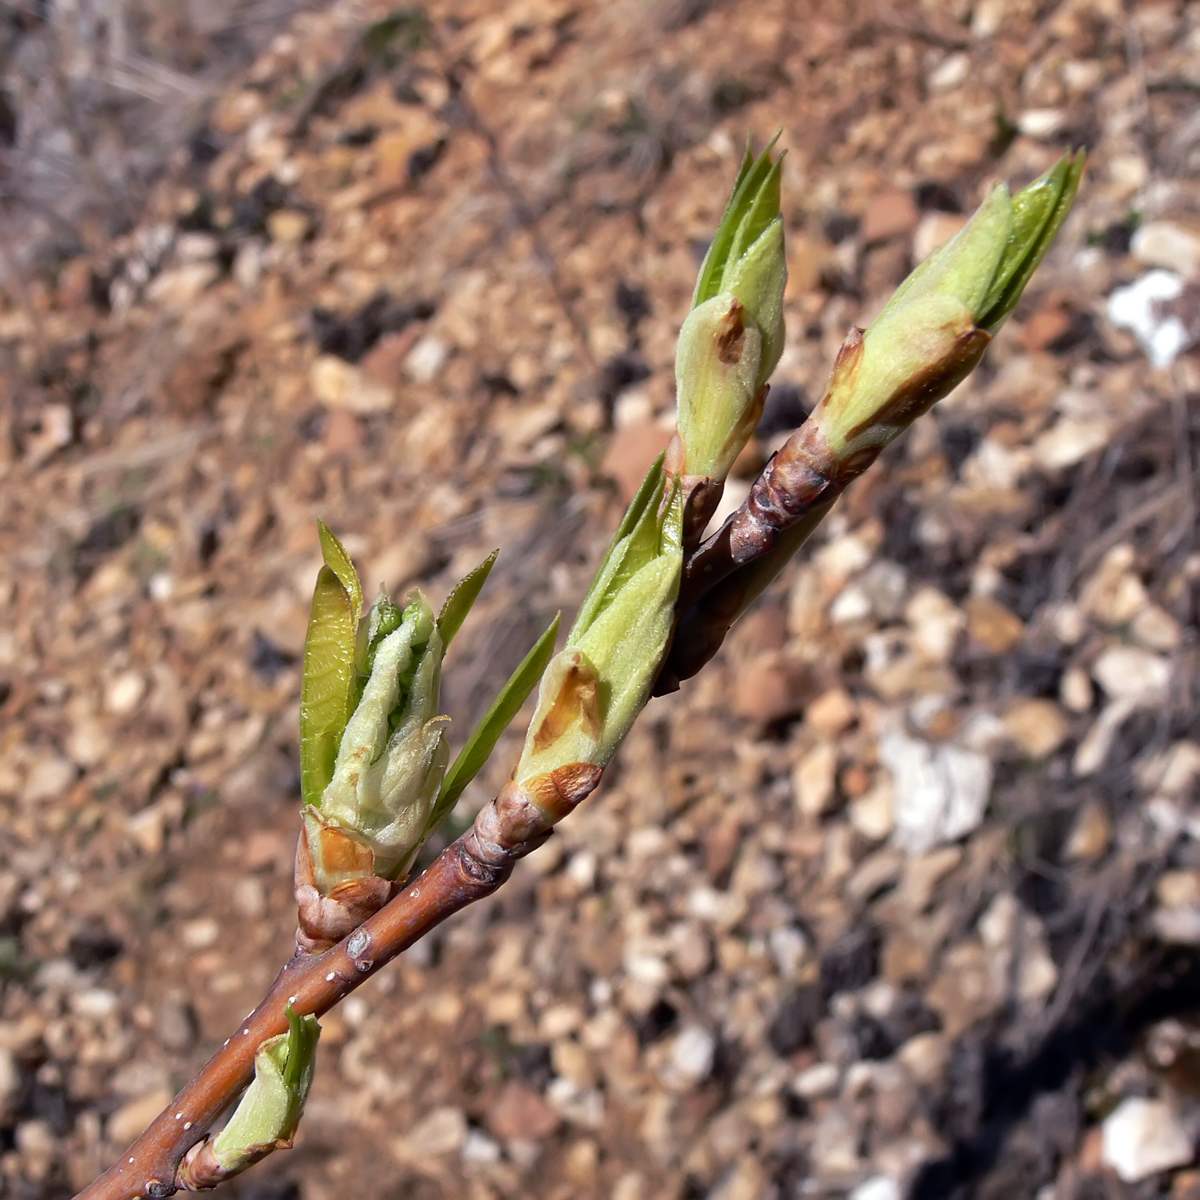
(270, 1109)
(934, 330)
(733, 338)
(594, 689)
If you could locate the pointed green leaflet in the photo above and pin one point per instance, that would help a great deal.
(327, 692)
(462, 597)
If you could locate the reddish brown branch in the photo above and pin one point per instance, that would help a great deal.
(470, 868)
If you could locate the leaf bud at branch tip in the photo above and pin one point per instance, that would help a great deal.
(732, 339)
(934, 330)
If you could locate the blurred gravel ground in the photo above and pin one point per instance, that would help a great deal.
(901, 897)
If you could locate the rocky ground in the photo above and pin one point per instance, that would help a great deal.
(901, 897)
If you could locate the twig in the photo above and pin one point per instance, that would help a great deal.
(170, 1154)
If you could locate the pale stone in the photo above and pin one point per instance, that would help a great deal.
(1179, 889)
(134, 1115)
(831, 713)
(1093, 749)
(338, 384)
(124, 693)
(789, 948)
(950, 72)
(1114, 594)
(721, 909)
(181, 285)
(1130, 673)
(200, 933)
(1181, 769)
(1037, 726)
(443, 1131)
(1075, 690)
(936, 624)
(925, 1057)
(814, 779)
(873, 813)
(426, 359)
(1156, 629)
(1090, 835)
(1170, 245)
(691, 1058)
(821, 1079)
(1070, 441)
(1069, 623)
(940, 792)
(878, 1187)
(1140, 1138)
(1041, 123)
(48, 778)
(1142, 309)
(288, 226)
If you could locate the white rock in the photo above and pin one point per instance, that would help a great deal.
(1070, 440)
(950, 72)
(134, 1115)
(1130, 673)
(181, 285)
(1140, 1137)
(878, 1187)
(441, 1132)
(814, 779)
(940, 793)
(1093, 749)
(426, 359)
(478, 1150)
(789, 948)
(936, 623)
(691, 1058)
(722, 909)
(1156, 629)
(821, 1079)
(124, 693)
(200, 933)
(1169, 245)
(48, 778)
(1181, 768)
(1041, 123)
(1138, 308)
(336, 383)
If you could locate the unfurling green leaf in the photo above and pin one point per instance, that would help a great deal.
(327, 693)
(496, 720)
(462, 597)
(392, 755)
(270, 1109)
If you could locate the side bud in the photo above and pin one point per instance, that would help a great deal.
(268, 1113)
(594, 689)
